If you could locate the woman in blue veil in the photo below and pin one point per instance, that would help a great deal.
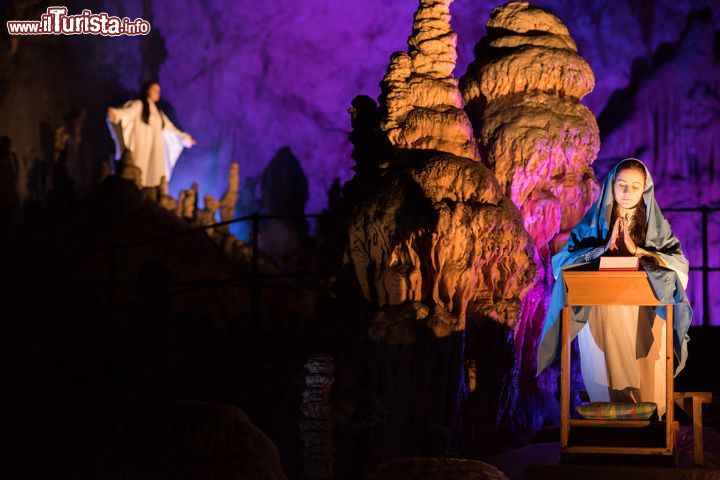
(622, 348)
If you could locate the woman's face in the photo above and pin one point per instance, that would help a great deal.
(628, 187)
(154, 92)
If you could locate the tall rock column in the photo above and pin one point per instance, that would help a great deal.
(434, 244)
(523, 95)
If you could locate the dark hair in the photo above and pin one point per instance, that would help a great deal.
(639, 228)
(146, 107)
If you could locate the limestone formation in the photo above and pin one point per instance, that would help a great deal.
(438, 250)
(229, 198)
(187, 203)
(523, 93)
(523, 96)
(421, 105)
(540, 147)
(434, 232)
(284, 193)
(316, 428)
(128, 170)
(206, 216)
(164, 199)
(433, 238)
(526, 49)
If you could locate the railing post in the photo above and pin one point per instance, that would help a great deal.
(254, 277)
(706, 266)
(111, 278)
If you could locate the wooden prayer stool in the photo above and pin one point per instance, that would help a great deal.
(691, 403)
(613, 437)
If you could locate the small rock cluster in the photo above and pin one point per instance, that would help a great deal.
(186, 206)
(317, 426)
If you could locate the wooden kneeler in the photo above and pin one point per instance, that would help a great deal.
(585, 288)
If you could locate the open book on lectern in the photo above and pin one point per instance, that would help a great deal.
(619, 263)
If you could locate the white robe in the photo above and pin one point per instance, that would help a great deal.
(155, 149)
(622, 354)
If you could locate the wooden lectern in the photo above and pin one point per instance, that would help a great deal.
(586, 288)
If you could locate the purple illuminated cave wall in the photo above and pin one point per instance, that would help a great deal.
(247, 78)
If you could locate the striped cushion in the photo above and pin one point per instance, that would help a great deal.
(616, 410)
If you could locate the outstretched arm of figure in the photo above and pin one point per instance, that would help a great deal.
(126, 113)
(187, 139)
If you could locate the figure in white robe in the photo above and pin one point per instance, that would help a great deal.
(145, 130)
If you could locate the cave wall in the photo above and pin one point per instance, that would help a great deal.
(247, 78)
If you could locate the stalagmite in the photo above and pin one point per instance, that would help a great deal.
(229, 198)
(421, 105)
(434, 232)
(164, 199)
(438, 249)
(186, 205)
(523, 96)
(206, 216)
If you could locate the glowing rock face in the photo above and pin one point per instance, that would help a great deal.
(523, 94)
(421, 103)
(428, 240)
(432, 233)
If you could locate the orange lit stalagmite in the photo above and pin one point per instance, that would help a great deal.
(432, 237)
(523, 96)
(436, 246)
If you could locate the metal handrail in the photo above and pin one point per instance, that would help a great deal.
(704, 268)
(256, 275)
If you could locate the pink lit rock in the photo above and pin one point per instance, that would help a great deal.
(439, 252)
(434, 232)
(439, 234)
(523, 93)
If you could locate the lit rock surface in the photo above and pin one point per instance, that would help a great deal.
(440, 255)
(434, 231)
(523, 93)
(541, 146)
(440, 234)
(523, 99)
(421, 101)
(522, 17)
(539, 55)
(229, 198)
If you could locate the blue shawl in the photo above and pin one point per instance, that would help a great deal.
(593, 231)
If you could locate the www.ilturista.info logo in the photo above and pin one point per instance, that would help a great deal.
(56, 21)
